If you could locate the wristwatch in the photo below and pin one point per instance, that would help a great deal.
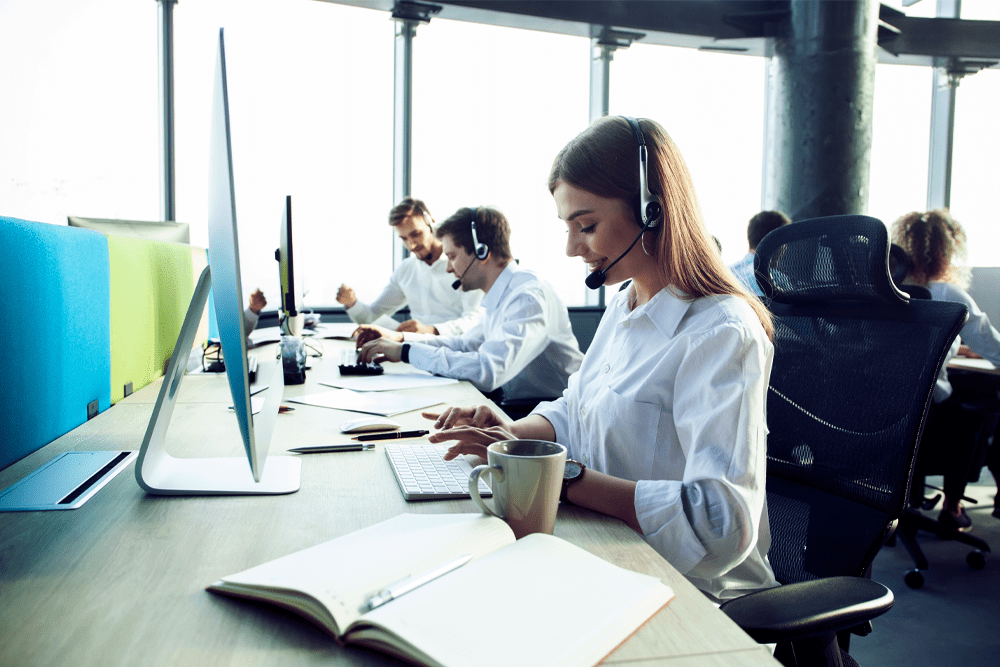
(572, 473)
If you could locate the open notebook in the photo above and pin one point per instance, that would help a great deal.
(536, 601)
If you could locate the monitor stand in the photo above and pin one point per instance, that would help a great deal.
(161, 474)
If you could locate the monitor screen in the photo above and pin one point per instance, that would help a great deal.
(291, 291)
(224, 259)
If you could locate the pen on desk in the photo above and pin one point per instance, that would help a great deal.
(319, 449)
(404, 586)
(391, 436)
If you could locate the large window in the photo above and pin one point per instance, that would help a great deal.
(712, 105)
(310, 93)
(78, 122)
(900, 141)
(491, 108)
(976, 165)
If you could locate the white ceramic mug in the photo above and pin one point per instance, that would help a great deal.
(526, 480)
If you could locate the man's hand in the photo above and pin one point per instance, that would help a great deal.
(345, 296)
(380, 350)
(414, 326)
(257, 301)
(369, 332)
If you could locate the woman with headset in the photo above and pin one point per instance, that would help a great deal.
(664, 421)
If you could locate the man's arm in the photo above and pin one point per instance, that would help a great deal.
(520, 335)
(388, 302)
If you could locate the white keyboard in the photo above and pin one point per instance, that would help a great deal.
(422, 473)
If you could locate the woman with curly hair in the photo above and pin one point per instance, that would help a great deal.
(935, 243)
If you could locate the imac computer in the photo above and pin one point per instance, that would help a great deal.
(291, 290)
(156, 471)
(293, 351)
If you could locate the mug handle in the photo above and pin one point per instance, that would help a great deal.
(474, 476)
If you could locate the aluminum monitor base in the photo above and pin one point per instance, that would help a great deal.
(159, 473)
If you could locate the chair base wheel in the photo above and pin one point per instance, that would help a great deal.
(914, 579)
(976, 560)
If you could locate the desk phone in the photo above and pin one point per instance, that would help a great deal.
(349, 365)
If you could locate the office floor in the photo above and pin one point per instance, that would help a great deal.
(954, 619)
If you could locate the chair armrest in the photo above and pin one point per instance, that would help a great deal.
(809, 608)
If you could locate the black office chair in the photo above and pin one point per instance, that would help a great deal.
(854, 365)
(981, 410)
(972, 415)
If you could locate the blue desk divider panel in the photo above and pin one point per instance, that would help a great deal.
(55, 347)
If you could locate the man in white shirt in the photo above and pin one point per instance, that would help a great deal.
(759, 226)
(420, 281)
(524, 343)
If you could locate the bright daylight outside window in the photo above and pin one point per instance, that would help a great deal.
(310, 94)
(491, 108)
(79, 131)
(712, 106)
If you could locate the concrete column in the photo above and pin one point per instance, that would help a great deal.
(821, 87)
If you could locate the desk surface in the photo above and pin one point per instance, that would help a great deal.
(122, 579)
(975, 365)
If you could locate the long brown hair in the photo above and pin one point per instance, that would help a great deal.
(603, 159)
(935, 243)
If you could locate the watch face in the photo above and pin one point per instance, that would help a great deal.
(572, 470)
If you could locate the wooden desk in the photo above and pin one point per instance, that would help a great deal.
(121, 581)
(975, 365)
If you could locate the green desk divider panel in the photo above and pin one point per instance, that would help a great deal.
(55, 354)
(151, 287)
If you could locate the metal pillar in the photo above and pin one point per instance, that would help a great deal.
(942, 122)
(408, 15)
(603, 44)
(402, 117)
(600, 74)
(600, 95)
(168, 188)
(821, 88)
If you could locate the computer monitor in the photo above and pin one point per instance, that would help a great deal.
(291, 289)
(158, 472)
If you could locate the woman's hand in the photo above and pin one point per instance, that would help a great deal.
(471, 440)
(481, 416)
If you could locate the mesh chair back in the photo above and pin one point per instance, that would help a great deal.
(854, 366)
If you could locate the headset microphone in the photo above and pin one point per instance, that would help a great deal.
(597, 278)
(458, 282)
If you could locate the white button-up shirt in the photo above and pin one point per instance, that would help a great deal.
(978, 333)
(524, 342)
(672, 396)
(427, 290)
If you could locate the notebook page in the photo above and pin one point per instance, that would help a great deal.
(344, 572)
(518, 606)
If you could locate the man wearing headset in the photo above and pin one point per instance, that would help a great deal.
(421, 281)
(524, 344)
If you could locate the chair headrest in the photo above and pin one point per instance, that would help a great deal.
(834, 258)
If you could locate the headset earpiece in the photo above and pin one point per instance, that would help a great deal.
(481, 250)
(650, 207)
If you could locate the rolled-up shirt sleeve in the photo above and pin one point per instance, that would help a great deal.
(708, 520)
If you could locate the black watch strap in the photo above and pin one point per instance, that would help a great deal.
(567, 481)
(405, 353)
